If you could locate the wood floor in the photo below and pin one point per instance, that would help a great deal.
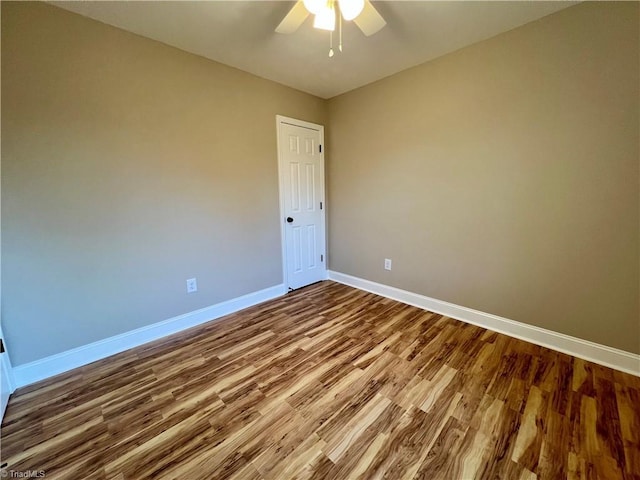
(330, 382)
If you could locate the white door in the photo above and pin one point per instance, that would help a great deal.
(301, 167)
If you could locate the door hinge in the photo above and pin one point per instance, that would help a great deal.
(320, 205)
(320, 148)
(322, 258)
(1, 346)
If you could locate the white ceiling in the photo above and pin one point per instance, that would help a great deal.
(241, 34)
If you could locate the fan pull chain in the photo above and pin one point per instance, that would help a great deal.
(330, 44)
(340, 30)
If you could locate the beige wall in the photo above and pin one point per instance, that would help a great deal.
(127, 167)
(503, 177)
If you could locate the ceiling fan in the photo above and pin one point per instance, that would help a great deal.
(363, 14)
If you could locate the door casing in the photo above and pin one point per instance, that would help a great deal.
(7, 385)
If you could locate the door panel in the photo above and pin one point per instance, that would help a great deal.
(302, 191)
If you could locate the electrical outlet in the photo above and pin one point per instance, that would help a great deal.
(192, 285)
(387, 264)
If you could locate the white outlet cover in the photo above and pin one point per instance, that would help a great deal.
(387, 264)
(192, 285)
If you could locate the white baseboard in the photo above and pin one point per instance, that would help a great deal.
(594, 352)
(61, 362)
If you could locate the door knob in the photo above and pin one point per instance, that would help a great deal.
(289, 219)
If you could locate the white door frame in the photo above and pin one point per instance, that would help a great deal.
(280, 119)
(6, 372)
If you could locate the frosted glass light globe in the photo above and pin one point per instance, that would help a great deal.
(351, 8)
(314, 6)
(326, 18)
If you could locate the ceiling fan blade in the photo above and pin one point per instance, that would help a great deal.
(369, 21)
(294, 18)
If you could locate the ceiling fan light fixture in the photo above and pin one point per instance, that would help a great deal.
(314, 6)
(326, 18)
(351, 8)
